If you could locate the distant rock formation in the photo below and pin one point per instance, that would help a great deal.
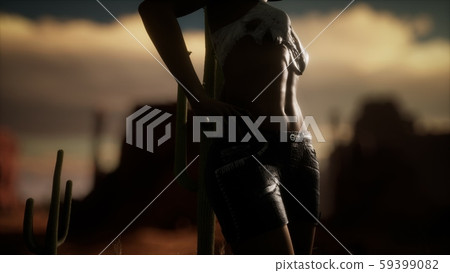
(392, 185)
(8, 170)
(122, 194)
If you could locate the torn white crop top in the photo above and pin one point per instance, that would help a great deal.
(258, 22)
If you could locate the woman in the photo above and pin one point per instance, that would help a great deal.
(249, 183)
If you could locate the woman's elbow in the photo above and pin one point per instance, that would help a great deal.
(148, 6)
(177, 7)
(144, 6)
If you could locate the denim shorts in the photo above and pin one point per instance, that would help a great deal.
(255, 187)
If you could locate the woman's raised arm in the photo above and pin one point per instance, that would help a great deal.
(160, 21)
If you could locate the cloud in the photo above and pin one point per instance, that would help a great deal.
(82, 63)
(369, 53)
(374, 41)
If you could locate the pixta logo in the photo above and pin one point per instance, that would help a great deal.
(143, 123)
(253, 128)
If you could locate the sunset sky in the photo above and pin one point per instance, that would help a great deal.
(62, 61)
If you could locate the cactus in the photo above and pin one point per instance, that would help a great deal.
(53, 238)
(206, 223)
(180, 142)
(212, 79)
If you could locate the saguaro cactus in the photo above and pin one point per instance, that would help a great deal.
(205, 226)
(180, 142)
(53, 237)
(212, 80)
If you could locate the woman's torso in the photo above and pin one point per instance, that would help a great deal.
(256, 77)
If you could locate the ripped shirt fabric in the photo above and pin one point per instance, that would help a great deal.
(260, 22)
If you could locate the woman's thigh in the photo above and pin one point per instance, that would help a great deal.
(301, 181)
(300, 192)
(245, 195)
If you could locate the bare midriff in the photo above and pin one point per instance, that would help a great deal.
(279, 99)
(256, 77)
